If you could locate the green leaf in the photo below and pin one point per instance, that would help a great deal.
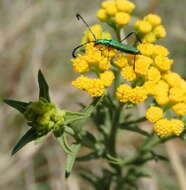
(134, 128)
(71, 159)
(29, 136)
(159, 156)
(20, 106)
(64, 143)
(88, 157)
(43, 87)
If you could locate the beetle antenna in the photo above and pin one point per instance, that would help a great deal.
(76, 48)
(78, 16)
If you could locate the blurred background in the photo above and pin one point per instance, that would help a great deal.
(41, 34)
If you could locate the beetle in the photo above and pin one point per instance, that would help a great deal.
(110, 43)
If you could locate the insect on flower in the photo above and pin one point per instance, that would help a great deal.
(110, 43)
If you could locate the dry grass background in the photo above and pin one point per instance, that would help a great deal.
(41, 34)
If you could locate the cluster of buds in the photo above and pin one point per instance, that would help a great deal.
(44, 117)
(150, 28)
(116, 11)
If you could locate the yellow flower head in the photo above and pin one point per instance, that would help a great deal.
(122, 18)
(153, 74)
(153, 19)
(161, 87)
(128, 73)
(173, 79)
(162, 99)
(146, 49)
(142, 64)
(150, 37)
(107, 78)
(104, 64)
(110, 7)
(160, 50)
(125, 5)
(121, 61)
(138, 95)
(177, 126)
(95, 87)
(160, 31)
(179, 108)
(163, 63)
(163, 128)
(81, 82)
(102, 15)
(143, 26)
(150, 87)
(154, 114)
(124, 93)
(176, 95)
(80, 65)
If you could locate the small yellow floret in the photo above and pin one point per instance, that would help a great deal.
(163, 63)
(160, 50)
(121, 61)
(111, 8)
(97, 30)
(138, 95)
(128, 73)
(146, 49)
(160, 31)
(179, 108)
(153, 19)
(173, 79)
(142, 64)
(176, 95)
(162, 99)
(154, 114)
(124, 93)
(107, 78)
(102, 15)
(163, 128)
(80, 65)
(161, 87)
(150, 37)
(153, 74)
(150, 87)
(95, 88)
(122, 18)
(81, 82)
(125, 6)
(104, 64)
(177, 126)
(143, 26)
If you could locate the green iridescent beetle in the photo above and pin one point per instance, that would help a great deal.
(110, 43)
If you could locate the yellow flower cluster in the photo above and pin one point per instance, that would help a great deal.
(150, 28)
(96, 59)
(126, 93)
(117, 11)
(165, 127)
(149, 68)
(142, 75)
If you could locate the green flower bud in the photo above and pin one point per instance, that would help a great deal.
(44, 117)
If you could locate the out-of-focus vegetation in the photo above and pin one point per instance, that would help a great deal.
(42, 34)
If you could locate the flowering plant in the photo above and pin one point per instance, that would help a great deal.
(120, 82)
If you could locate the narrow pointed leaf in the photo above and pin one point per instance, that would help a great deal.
(20, 106)
(88, 157)
(71, 159)
(64, 144)
(43, 87)
(29, 136)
